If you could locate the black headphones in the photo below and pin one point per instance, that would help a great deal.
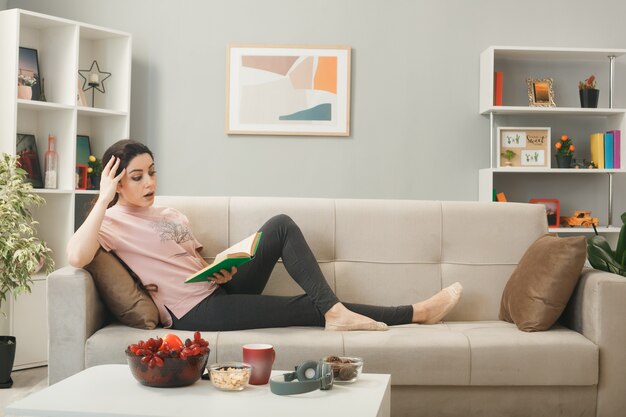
(308, 376)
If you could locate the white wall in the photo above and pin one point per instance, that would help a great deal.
(416, 131)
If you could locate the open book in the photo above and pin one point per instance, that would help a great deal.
(238, 254)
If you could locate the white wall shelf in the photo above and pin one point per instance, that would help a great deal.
(63, 47)
(566, 66)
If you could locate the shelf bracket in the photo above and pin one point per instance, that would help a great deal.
(491, 155)
(611, 67)
(610, 222)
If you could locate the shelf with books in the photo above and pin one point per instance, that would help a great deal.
(566, 67)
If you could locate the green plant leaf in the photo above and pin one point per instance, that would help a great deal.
(601, 259)
(621, 241)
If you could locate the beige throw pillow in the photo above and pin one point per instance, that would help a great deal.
(543, 282)
(122, 294)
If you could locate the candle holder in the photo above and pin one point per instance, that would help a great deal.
(94, 80)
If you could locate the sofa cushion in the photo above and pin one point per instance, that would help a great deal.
(122, 294)
(108, 344)
(543, 282)
(501, 354)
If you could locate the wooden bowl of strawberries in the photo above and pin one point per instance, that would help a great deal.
(168, 361)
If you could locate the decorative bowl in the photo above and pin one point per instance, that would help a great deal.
(175, 372)
(345, 368)
(230, 376)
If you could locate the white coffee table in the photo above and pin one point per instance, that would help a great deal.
(111, 390)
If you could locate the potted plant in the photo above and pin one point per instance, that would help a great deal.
(22, 253)
(588, 92)
(564, 152)
(602, 257)
(95, 171)
(25, 86)
(508, 155)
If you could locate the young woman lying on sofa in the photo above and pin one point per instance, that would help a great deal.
(125, 221)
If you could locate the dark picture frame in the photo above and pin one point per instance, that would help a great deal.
(28, 71)
(26, 148)
(83, 150)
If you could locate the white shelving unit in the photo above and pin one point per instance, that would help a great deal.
(566, 66)
(63, 47)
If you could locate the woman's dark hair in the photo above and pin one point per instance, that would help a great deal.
(125, 150)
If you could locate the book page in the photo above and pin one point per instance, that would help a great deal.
(245, 246)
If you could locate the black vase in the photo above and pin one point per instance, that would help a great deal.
(589, 98)
(7, 355)
(563, 161)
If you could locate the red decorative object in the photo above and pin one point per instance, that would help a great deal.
(553, 209)
(81, 177)
(497, 88)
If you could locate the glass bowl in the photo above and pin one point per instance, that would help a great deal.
(345, 368)
(230, 376)
(175, 372)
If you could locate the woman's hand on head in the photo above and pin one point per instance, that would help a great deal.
(108, 181)
(224, 276)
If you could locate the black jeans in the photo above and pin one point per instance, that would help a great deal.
(239, 304)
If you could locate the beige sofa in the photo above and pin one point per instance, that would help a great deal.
(396, 252)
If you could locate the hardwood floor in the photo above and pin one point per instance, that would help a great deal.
(25, 382)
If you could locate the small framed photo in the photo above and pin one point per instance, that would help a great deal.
(28, 76)
(540, 92)
(26, 148)
(288, 90)
(553, 209)
(81, 177)
(523, 147)
(83, 149)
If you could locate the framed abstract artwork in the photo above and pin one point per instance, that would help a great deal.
(288, 90)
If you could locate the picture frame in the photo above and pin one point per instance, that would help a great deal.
(26, 148)
(540, 92)
(81, 177)
(523, 147)
(83, 149)
(553, 210)
(81, 100)
(288, 90)
(28, 75)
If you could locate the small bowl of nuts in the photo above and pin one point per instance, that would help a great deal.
(345, 368)
(230, 376)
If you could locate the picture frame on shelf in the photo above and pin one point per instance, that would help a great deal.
(26, 148)
(523, 147)
(28, 75)
(81, 177)
(540, 92)
(81, 100)
(553, 209)
(288, 90)
(83, 149)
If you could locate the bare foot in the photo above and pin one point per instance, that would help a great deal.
(339, 318)
(438, 306)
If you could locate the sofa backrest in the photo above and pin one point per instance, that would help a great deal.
(386, 252)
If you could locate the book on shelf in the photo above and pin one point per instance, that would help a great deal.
(597, 149)
(608, 150)
(237, 254)
(498, 77)
(617, 148)
(501, 198)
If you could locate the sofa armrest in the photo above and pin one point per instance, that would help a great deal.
(75, 312)
(597, 310)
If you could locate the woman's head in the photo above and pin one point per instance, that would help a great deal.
(138, 185)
